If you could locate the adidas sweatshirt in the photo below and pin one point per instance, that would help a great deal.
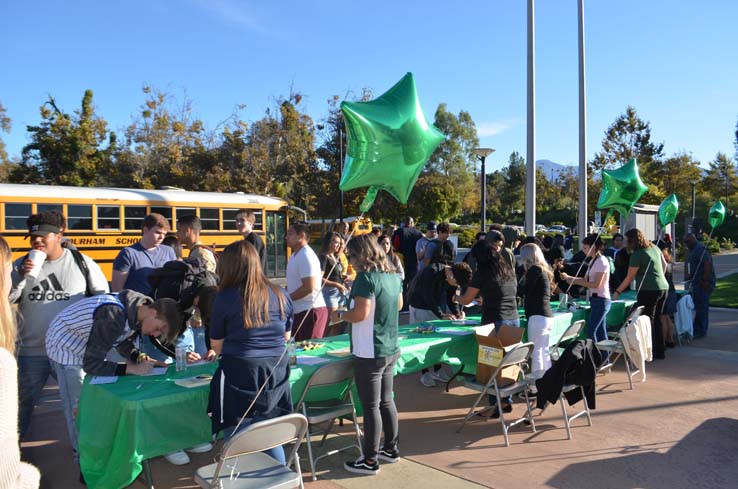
(59, 284)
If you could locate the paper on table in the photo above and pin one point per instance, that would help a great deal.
(102, 379)
(157, 371)
(457, 332)
(308, 360)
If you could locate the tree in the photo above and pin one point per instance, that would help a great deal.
(5, 126)
(675, 175)
(454, 160)
(721, 178)
(160, 143)
(513, 192)
(630, 137)
(65, 149)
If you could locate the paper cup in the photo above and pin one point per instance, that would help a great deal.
(38, 258)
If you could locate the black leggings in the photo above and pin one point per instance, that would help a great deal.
(374, 381)
(653, 302)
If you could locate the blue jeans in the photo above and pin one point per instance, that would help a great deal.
(70, 378)
(277, 453)
(199, 336)
(597, 323)
(701, 299)
(186, 340)
(33, 372)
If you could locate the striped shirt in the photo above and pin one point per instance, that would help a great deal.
(66, 340)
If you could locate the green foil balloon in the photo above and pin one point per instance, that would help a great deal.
(716, 215)
(668, 210)
(621, 188)
(389, 142)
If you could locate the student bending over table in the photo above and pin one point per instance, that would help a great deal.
(377, 299)
(80, 338)
(250, 321)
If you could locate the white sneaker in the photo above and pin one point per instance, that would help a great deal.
(427, 379)
(201, 448)
(441, 376)
(177, 458)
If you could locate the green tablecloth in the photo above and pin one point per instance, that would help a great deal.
(138, 418)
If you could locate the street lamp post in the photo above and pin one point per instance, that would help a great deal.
(693, 183)
(482, 154)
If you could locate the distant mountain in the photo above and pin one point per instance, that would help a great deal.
(552, 169)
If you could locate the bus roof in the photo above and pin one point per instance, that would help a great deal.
(171, 197)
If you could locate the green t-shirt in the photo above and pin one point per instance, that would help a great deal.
(654, 278)
(376, 336)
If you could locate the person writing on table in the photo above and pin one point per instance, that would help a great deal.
(250, 322)
(373, 317)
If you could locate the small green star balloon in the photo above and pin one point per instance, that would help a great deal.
(668, 210)
(621, 188)
(716, 215)
(389, 142)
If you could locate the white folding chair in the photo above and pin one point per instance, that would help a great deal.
(614, 346)
(519, 355)
(243, 465)
(336, 374)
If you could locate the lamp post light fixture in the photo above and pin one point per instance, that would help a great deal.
(482, 154)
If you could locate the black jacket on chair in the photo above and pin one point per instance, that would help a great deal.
(576, 366)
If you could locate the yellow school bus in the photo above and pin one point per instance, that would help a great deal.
(101, 221)
(320, 227)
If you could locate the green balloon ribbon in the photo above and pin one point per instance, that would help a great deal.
(716, 215)
(668, 210)
(621, 188)
(389, 142)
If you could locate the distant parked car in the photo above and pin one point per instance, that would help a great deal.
(540, 228)
(557, 228)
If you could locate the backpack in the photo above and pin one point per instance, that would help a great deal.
(211, 249)
(181, 281)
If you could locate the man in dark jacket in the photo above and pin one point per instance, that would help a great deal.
(403, 241)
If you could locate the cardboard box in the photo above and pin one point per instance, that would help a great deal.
(492, 348)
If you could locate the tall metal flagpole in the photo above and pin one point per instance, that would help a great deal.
(582, 132)
(530, 177)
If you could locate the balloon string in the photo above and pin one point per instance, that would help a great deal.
(292, 338)
(599, 232)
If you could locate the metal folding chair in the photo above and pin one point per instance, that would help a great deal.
(568, 419)
(243, 465)
(331, 374)
(614, 346)
(571, 333)
(519, 355)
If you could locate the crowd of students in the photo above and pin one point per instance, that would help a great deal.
(70, 325)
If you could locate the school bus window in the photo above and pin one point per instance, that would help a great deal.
(184, 211)
(164, 211)
(79, 216)
(209, 218)
(259, 222)
(229, 219)
(108, 217)
(16, 215)
(48, 207)
(134, 217)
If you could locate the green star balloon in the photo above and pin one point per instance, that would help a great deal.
(668, 210)
(621, 188)
(389, 142)
(716, 215)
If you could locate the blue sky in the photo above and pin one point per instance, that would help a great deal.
(675, 61)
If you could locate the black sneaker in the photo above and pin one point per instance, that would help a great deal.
(389, 457)
(362, 467)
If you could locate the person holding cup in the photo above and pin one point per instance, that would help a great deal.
(46, 281)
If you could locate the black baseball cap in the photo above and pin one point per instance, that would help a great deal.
(42, 229)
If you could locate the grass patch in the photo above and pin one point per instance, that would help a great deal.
(725, 293)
